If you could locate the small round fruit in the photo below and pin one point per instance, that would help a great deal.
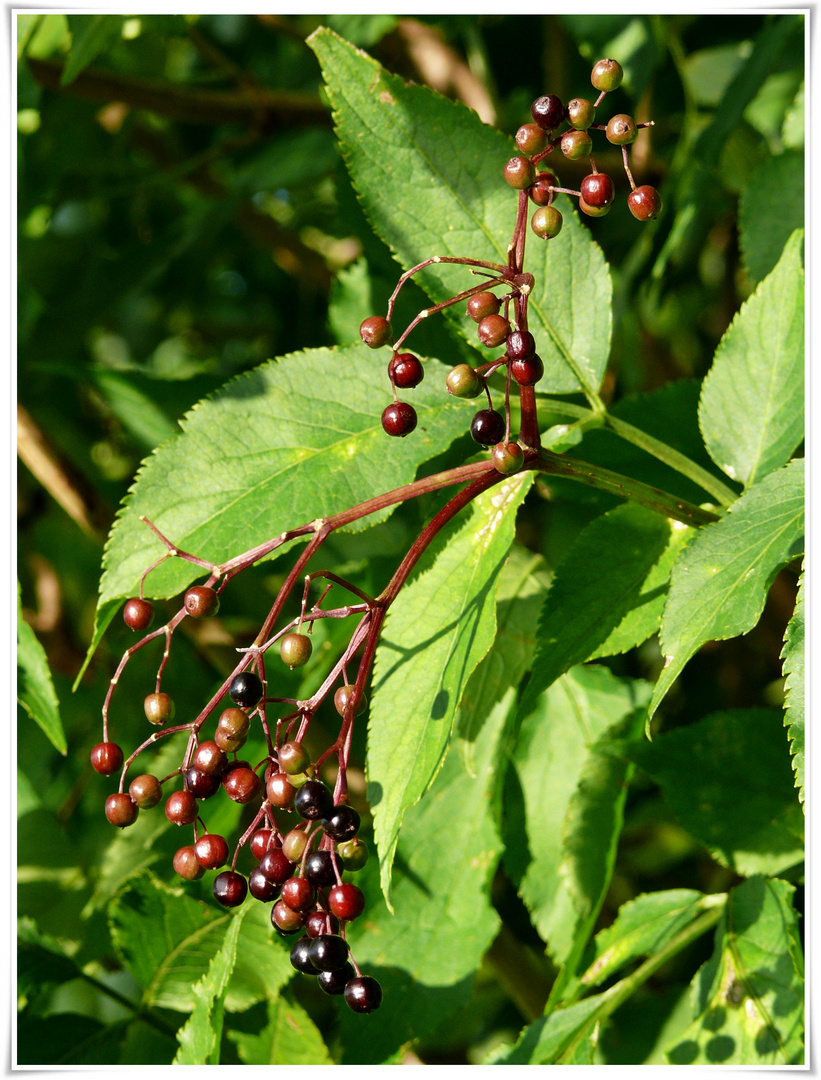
(399, 419)
(200, 784)
(158, 708)
(375, 331)
(597, 189)
(546, 222)
(187, 865)
(208, 757)
(298, 893)
(261, 888)
(520, 172)
(245, 689)
(482, 304)
(145, 790)
(138, 613)
(462, 381)
(321, 922)
(242, 785)
(342, 823)
(487, 427)
(295, 650)
(260, 841)
(353, 853)
(607, 75)
(275, 866)
(334, 982)
(344, 696)
(300, 957)
(121, 810)
(493, 330)
(576, 144)
(507, 458)
(527, 372)
(313, 800)
(644, 203)
(230, 888)
(319, 869)
(328, 952)
(201, 601)
(548, 111)
(211, 850)
(520, 344)
(593, 211)
(405, 371)
(580, 113)
(285, 919)
(106, 758)
(346, 901)
(621, 129)
(363, 994)
(293, 758)
(531, 139)
(232, 731)
(540, 192)
(279, 790)
(294, 844)
(181, 808)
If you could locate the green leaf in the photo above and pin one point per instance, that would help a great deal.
(597, 584)
(548, 1039)
(35, 688)
(42, 963)
(290, 1037)
(749, 997)
(751, 411)
(420, 165)
(720, 580)
(728, 781)
(564, 815)
(793, 657)
(90, 35)
(765, 225)
(437, 630)
(200, 1037)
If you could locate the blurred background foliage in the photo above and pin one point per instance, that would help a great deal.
(184, 214)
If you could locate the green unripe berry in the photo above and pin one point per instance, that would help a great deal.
(342, 698)
(607, 75)
(520, 172)
(507, 458)
(293, 758)
(621, 129)
(593, 211)
(353, 853)
(295, 650)
(531, 139)
(462, 381)
(580, 113)
(159, 708)
(546, 222)
(576, 144)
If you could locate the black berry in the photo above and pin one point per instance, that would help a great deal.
(313, 800)
(487, 427)
(520, 344)
(334, 982)
(260, 887)
(230, 888)
(245, 689)
(399, 419)
(363, 994)
(301, 958)
(328, 952)
(342, 823)
(319, 869)
(548, 111)
(200, 784)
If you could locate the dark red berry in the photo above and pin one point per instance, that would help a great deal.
(200, 784)
(487, 427)
(201, 601)
(493, 330)
(241, 784)
(328, 952)
(106, 758)
(482, 304)
(285, 919)
(186, 864)
(158, 708)
(121, 810)
(181, 808)
(344, 696)
(346, 901)
(313, 800)
(334, 982)
(261, 888)
(211, 850)
(300, 957)
(245, 689)
(375, 331)
(209, 759)
(597, 189)
(531, 139)
(230, 888)
(276, 866)
(138, 613)
(507, 458)
(540, 192)
(295, 650)
(644, 203)
(363, 994)
(342, 823)
(594, 211)
(298, 893)
(520, 344)
(321, 922)
(527, 372)
(280, 791)
(405, 371)
(548, 111)
(520, 172)
(260, 841)
(145, 790)
(399, 419)
(319, 869)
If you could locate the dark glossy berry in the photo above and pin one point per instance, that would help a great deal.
(321, 922)
(520, 344)
(546, 222)
(531, 139)
(298, 893)
(313, 800)
(399, 419)
(276, 866)
(527, 372)
(106, 758)
(245, 689)
(644, 203)
(186, 864)
(295, 650)
(121, 810)
(621, 129)
(576, 144)
(211, 850)
(242, 785)
(548, 111)
(181, 808)
(230, 888)
(285, 919)
(375, 331)
(145, 790)
(597, 189)
(507, 458)
(463, 381)
(200, 784)
(328, 952)
(293, 758)
(363, 994)
(138, 613)
(342, 698)
(260, 841)
(405, 371)
(353, 854)
(580, 113)
(279, 790)
(493, 330)
(346, 901)
(342, 823)
(487, 427)
(334, 982)
(540, 193)
(482, 304)
(201, 601)
(319, 869)
(294, 843)
(300, 957)
(520, 172)
(209, 759)
(261, 888)
(158, 708)
(607, 75)
(232, 730)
